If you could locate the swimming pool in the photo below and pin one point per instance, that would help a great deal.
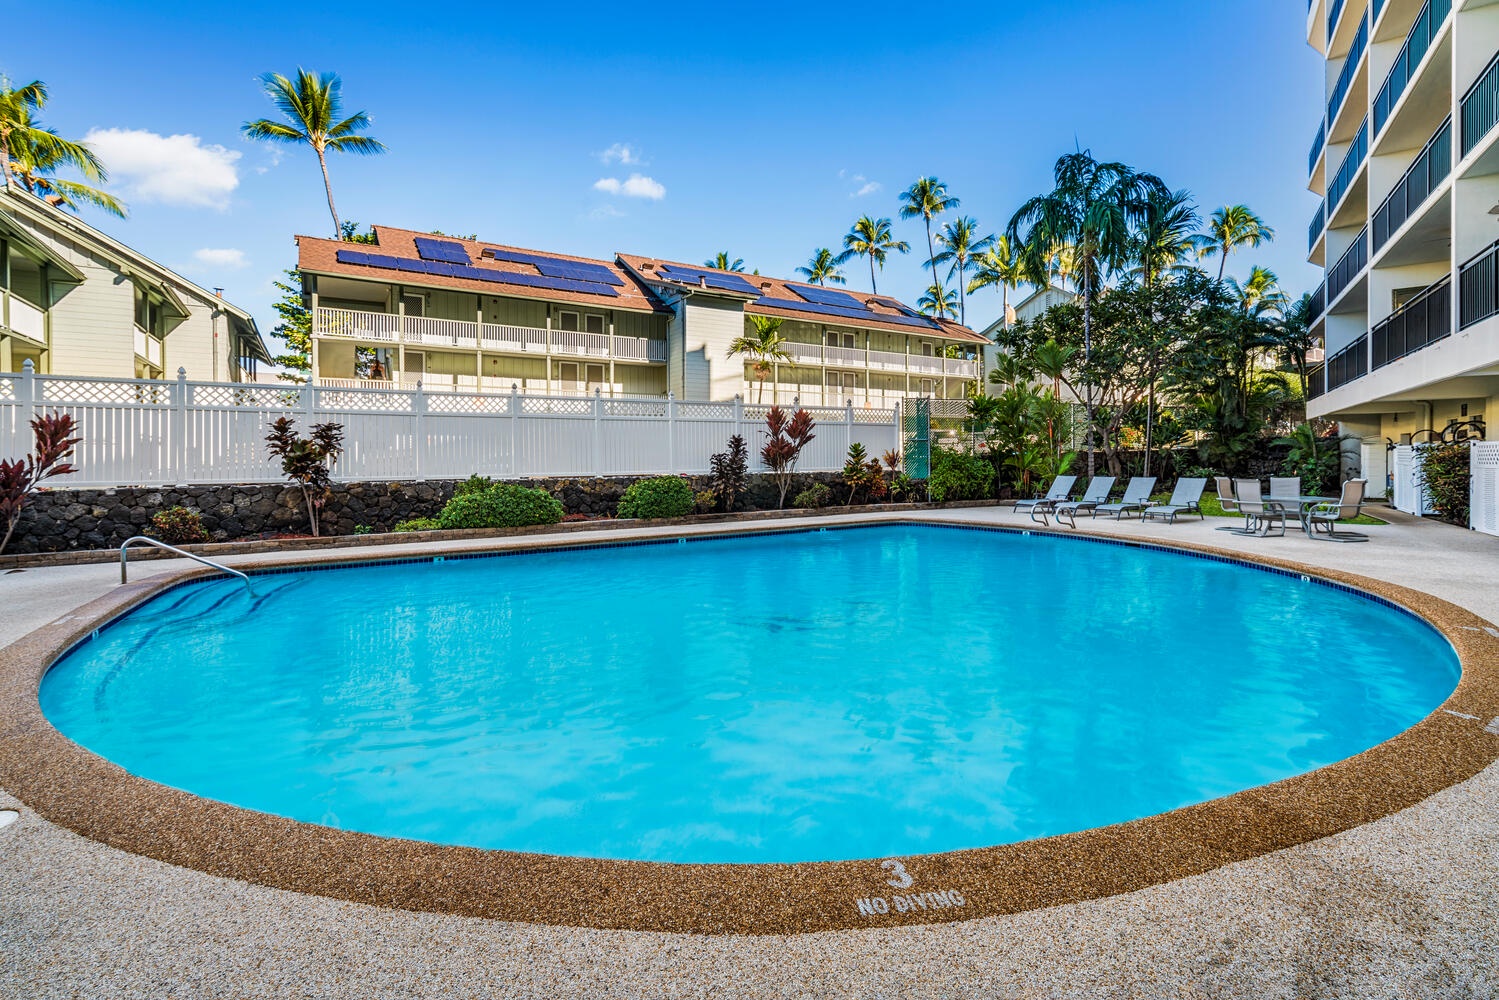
(800, 696)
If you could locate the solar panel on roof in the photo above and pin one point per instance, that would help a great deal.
(577, 269)
(858, 314)
(446, 251)
(827, 297)
(472, 273)
(713, 279)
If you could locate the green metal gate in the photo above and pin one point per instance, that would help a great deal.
(916, 437)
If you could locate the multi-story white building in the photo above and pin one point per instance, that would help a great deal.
(73, 301)
(1407, 160)
(468, 315)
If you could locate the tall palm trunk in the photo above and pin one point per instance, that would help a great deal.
(962, 298)
(873, 289)
(1222, 262)
(1088, 355)
(328, 187)
(931, 257)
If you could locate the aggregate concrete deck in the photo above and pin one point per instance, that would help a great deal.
(1401, 906)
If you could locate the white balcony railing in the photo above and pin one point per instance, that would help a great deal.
(820, 395)
(26, 319)
(427, 331)
(148, 347)
(889, 361)
(489, 386)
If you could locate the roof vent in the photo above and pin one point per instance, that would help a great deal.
(647, 266)
(764, 284)
(702, 281)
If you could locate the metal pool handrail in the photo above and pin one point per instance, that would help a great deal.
(124, 556)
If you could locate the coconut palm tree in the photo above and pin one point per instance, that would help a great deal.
(1260, 294)
(938, 301)
(764, 348)
(1229, 228)
(723, 262)
(1093, 206)
(961, 242)
(1166, 236)
(312, 105)
(31, 153)
(871, 238)
(927, 199)
(998, 265)
(822, 268)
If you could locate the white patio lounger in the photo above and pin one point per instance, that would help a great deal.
(1186, 498)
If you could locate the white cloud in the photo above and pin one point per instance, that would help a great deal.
(606, 211)
(171, 169)
(224, 259)
(865, 185)
(636, 186)
(870, 187)
(621, 153)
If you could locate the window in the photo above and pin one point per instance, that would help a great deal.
(842, 380)
(567, 371)
(593, 323)
(928, 386)
(849, 341)
(567, 321)
(832, 338)
(415, 305)
(595, 376)
(926, 350)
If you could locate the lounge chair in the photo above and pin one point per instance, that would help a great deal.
(1186, 498)
(1327, 515)
(1136, 497)
(1061, 488)
(1260, 512)
(1099, 488)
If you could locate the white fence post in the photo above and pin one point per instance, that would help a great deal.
(176, 473)
(25, 410)
(671, 433)
(598, 432)
(515, 407)
(419, 430)
(848, 425)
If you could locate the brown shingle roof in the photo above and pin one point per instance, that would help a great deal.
(881, 312)
(320, 256)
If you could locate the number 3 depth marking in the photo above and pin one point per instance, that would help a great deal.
(902, 879)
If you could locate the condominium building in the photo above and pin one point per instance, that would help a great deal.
(465, 315)
(74, 301)
(1406, 157)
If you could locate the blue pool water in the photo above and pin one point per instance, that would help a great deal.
(806, 696)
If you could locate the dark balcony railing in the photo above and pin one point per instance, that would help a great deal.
(1481, 107)
(1348, 169)
(1333, 13)
(1319, 222)
(1349, 266)
(1431, 167)
(1433, 13)
(1348, 364)
(1318, 304)
(1317, 144)
(1422, 321)
(1378, 6)
(1316, 382)
(1345, 77)
(1478, 287)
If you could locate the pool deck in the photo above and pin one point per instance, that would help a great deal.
(1400, 906)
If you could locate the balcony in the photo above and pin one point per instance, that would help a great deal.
(1350, 68)
(22, 318)
(1349, 266)
(1316, 382)
(1348, 169)
(888, 361)
(148, 348)
(1319, 223)
(1318, 304)
(467, 335)
(1352, 362)
(1417, 41)
(1478, 287)
(1334, 12)
(1419, 323)
(1317, 144)
(828, 395)
(1431, 167)
(1480, 107)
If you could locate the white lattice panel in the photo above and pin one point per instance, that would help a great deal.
(1484, 488)
(463, 403)
(52, 390)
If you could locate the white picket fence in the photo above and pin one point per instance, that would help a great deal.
(1483, 510)
(175, 432)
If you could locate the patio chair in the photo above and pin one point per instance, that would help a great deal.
(1061, 488)
(1186, 498)
(1097, 492)
(1136, 497)
(1285, 488)
(1260, 512)
(1324, 517)
(1230, 504)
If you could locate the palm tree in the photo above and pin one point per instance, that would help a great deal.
(823, 269)
(1166, 236)
(722, 262)
(1232, 227)
(31, 154)
(1093, 206)
(312, 104)
(927, 198)
(998, 265)
(764, 348)
(871, 238)
(1260, 293)
(961, 242)
(938, 301)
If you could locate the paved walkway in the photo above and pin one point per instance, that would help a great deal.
(1403, 907)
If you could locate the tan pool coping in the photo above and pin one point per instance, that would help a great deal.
(83, 792)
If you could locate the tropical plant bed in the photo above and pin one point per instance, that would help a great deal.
(296, 543)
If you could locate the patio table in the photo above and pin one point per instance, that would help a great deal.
(1303, 504)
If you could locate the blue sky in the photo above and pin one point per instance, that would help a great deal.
(763, 130)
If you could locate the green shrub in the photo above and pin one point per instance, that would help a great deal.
(503, 505)
(178, 526)
(473, 484)
(705, 501)
(364, 529)
(959, 475)
(1446, 470)
(417, 524)
(816, 495)
(664, 496)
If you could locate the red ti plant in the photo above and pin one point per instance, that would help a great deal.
(20, 477)
(784, 445)
(308, 461)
